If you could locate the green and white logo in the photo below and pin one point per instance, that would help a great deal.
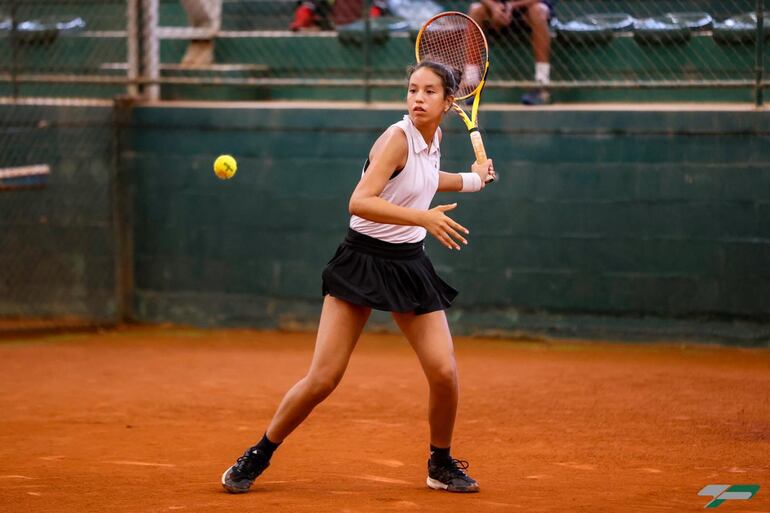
(723, 493)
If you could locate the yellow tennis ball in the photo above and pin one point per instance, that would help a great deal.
(225, 167)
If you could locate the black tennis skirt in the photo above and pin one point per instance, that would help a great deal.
(385, 276)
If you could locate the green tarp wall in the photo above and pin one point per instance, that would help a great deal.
(645, 224)
(651, 224)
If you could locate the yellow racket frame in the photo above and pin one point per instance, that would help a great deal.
(472, 122)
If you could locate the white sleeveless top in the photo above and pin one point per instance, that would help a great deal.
(413, 187)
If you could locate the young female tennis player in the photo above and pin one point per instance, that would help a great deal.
(382, 264)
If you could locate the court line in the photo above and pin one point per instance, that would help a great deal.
(140, 463)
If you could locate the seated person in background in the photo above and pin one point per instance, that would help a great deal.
(312, 15)
(497, 16)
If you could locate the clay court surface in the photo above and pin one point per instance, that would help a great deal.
(146, 420)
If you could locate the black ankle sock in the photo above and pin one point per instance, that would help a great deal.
(266, 446)
(439, 455)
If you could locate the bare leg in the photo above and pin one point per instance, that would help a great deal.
(479, 13)
(537, 17)
(429, 336)
(338, 331)
(199, 12)
(202, 14)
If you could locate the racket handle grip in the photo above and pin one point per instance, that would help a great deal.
(478, 149)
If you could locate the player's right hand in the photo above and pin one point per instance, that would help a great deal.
(485, 170)
(443, 227)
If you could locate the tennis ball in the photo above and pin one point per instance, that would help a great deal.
(225, 167)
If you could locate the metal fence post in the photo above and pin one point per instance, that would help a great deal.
(14, 50)
(132, 51)
(122, 194)
(760, 66)
(151, 49)
(367, 51)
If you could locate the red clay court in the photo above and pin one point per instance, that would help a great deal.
(146, 419)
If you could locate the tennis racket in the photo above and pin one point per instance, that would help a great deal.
(455, 40)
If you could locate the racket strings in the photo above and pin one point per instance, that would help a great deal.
(456, 42)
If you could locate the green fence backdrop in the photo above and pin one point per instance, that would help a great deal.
(354, 49)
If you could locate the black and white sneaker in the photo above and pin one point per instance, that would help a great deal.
(240, 477)
(451, 477)
(537, 97)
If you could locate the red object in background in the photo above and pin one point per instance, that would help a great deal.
(304, 17)
(348, 11)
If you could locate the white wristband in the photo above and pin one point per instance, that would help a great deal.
(471, 182)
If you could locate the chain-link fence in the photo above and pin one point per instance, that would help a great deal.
(62, 48)
(57, 241)
(63, 62)
(258, 49)
(58, 263)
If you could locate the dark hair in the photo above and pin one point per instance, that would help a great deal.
(450, 76)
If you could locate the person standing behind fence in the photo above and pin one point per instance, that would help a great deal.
(202, 14)
(497, 16)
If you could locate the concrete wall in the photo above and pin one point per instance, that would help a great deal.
(644, 224)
